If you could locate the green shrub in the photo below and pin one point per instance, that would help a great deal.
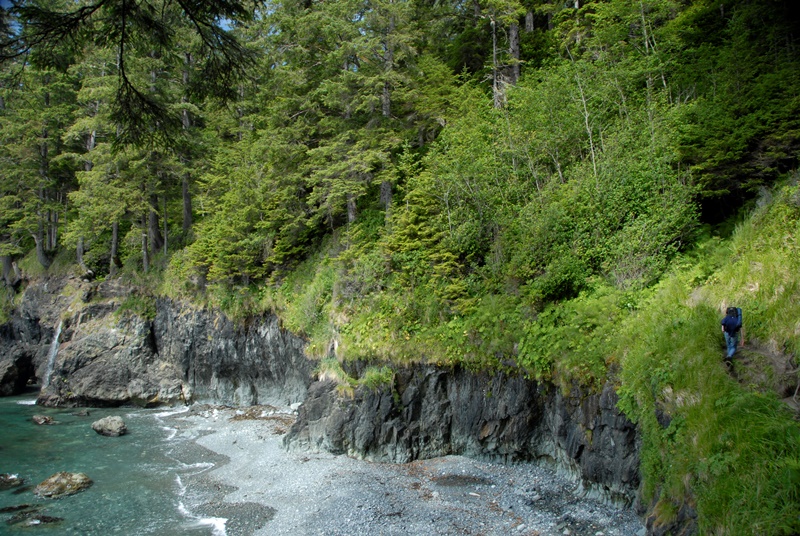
(377, 377)
(139, 305)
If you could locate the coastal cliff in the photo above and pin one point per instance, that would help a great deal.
(431, 411)
(76, 341)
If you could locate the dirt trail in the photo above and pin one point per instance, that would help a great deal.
(762, 369)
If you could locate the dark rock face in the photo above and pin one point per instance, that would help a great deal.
(63, 484)
(432, 412)
(86, 354)
(257, 363)
(110, 426)
(16, 367)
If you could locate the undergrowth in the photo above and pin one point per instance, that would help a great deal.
(732, 452)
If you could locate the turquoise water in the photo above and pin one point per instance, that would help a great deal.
(139, 478)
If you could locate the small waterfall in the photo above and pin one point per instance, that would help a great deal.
(51, 356)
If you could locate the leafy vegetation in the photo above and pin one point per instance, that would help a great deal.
(573, 191)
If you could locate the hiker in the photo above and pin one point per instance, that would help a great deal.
(731, 325)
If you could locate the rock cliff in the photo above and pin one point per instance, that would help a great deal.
(430, 411)
(73, 340)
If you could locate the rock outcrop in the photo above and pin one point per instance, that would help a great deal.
(430, 411)
(72, 337)
(16, 367)
(110, 426)
(63, 484)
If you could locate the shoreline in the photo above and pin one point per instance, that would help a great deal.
(257, 487)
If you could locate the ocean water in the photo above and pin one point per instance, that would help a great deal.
(142, 480)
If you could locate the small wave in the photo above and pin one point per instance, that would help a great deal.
(172, 432)
(31, 402)
(194, 468)
(217, 524)
(172, 411)
(181, 486)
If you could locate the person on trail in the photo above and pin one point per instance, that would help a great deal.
(731, 325)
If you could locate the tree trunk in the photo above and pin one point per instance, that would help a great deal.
(145, 252)
(79, 250)
(386, 194)
(187, 205)
(388, 65)
(153, 230)
(529, 22)
(496, 90)
(513, 46)
(186, 122)
(351, 208)
(91, 141)
(113, 263)
(386, 101)
(9, 273)
(52, 230)
(41, 254)
(166, 220)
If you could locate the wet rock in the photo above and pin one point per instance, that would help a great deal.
(16, 508)
(32, 519)
(63, 484)
(16, 367)
(81, 413)
(182, 355)
(43, 419)
(8, 481)
(110, 426)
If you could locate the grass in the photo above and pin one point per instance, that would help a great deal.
(731, 451)
(142, 306)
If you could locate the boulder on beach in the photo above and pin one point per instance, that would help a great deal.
(63, 484)
(110, 426)
(8, 481)
(43, 419)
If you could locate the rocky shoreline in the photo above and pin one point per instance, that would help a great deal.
(73, 335)
(263, 489)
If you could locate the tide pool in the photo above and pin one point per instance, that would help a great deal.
(140, 479)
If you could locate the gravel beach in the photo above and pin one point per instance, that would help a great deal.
(257, 487)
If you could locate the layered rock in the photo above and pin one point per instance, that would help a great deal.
(430, 411)
(72, 338)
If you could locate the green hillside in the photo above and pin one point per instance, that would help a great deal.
(571, 190)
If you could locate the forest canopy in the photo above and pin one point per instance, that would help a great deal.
(528, 142)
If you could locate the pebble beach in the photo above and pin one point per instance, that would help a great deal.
(252, 485)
